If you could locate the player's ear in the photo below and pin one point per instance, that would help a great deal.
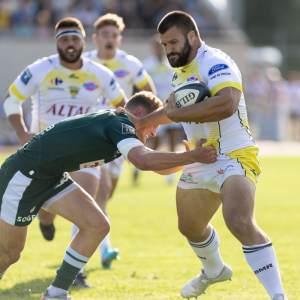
(119, 40)
(94, 37)
(191, 36)
(139, 111)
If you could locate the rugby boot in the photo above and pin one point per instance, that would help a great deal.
(81, 282)
(108, 255)
(48, 231)
(46, 296)
(200, 283)
(280, 297)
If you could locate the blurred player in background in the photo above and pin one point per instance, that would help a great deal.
(161, 73)
(230, 181)
(62, 86)
(129, 72)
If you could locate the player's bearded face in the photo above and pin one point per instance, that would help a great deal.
(70, 52)
(179, 59)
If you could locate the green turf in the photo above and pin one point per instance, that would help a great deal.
(156, 260)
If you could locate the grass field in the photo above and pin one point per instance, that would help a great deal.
(156, 260)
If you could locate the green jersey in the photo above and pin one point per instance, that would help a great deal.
(79, 142)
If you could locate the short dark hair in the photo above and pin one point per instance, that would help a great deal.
(182, 20)
(69, 22)
(144, 99)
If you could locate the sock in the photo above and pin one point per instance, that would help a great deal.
(263, 262)
(104, 244)
(73, 233)
(66, 273)
(209, 254)
(54, 291)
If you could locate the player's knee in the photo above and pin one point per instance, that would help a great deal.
(191, 232)
(100, 226)
(14, 255)
(238, 224)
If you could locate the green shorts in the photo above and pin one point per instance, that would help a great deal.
(22, 197)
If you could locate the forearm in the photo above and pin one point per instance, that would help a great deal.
(159, 160)
(17, 123)
(170, 171)
(210, 110)
(157, 117)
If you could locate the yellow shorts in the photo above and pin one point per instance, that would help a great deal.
(212, 176)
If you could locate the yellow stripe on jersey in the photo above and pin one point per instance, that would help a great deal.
(14, 90)
(143, 83)
(213, 138)
(115, 102)
(224, 84)
(247, 157)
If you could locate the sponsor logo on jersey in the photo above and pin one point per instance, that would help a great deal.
(128, 129)
(113, 81)
(90, 86)
(193, 78)
(64, 179)
(187, 178)
(74, 90)
(74, 76)
(26, 219)
(67, 110)
(92, 164)
(174, 77)
(56, 81)
(217, 68)
(263, 268)
(220, 74)
(25, 77)
(121, 73)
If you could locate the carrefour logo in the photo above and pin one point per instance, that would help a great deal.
(120, 73)
(217, 68)
(90, 86)
(56, 81)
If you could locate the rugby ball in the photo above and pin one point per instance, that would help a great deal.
(189, 93)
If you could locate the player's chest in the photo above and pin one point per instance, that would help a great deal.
(75, 86)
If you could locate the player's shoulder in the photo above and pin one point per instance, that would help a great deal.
(96, 67)
(45, 62)
(90, 54)
(127, 58)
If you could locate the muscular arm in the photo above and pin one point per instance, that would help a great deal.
(221, 106)
(17, 123)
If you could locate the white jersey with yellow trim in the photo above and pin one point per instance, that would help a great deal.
(59, 93)
(216, 69)
(128, 70)
(161, 74)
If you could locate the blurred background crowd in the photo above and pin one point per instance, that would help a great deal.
(271, 46)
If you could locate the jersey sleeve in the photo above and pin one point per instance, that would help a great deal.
(26, 83)
(222, 72)
(119, 129)
(139, 73)
(112, 89)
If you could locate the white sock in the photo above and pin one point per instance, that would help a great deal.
(104, 244)
(263, 262)
(54, 291)
(209, 254)
(73, 233)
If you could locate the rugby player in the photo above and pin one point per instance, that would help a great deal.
(62, 86)
(129, 72)
(36, 176)
(230, 181)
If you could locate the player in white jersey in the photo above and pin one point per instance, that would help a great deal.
(62, 86)
(129, 72)
(230, 181)
(161, 73)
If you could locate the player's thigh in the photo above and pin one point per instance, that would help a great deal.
(12, 237)
(88, 181)
(196, 207)
(79, 208)
(238, 199)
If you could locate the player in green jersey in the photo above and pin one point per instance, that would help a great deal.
(36, 177)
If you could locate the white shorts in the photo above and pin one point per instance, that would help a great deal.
(212, 176)
(93, 171)
(115, 167)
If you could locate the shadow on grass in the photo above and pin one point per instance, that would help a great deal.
(26, 290)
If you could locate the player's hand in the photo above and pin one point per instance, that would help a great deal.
(205, 155)
(134, 119)
(186, 144)
(25, 137)
(170, 106)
